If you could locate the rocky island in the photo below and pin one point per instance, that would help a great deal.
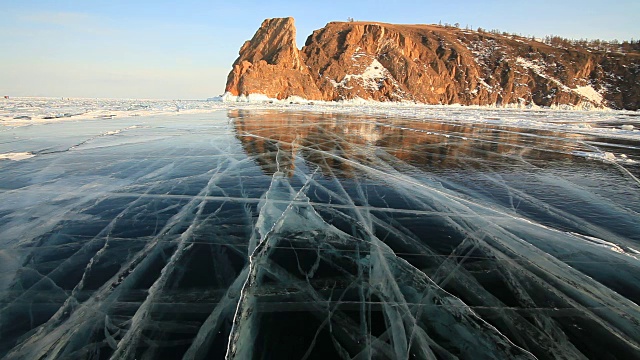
(430, 64)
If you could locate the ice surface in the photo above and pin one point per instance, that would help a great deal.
(207, 230)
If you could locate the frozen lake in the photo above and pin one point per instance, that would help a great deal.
(199, 230)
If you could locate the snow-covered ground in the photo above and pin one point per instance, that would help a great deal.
(27, 111)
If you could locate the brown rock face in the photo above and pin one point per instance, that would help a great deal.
(430, 64)
(270, 64)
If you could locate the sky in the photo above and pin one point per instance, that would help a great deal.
(184, 50)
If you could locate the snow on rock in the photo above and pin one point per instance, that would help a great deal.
(370, 79)
(589, 93)
(539, 69)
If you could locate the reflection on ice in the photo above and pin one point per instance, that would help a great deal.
(269, 234)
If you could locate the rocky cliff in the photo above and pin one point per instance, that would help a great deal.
(430, 64)
(271, 64)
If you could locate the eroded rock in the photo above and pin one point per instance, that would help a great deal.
(430, 64)
(270, 64)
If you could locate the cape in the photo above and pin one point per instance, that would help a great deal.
(431, 64)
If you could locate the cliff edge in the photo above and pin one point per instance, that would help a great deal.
(430, 64)
(271, 64)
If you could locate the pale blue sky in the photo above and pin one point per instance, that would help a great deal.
(184, 50)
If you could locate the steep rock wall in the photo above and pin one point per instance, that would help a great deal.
(270, 64)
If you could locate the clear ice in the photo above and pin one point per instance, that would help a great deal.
(271, 233)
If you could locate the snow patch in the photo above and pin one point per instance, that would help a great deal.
(371, 78)
(539, 70)
(261, 99)
(17, 156)
(605, 156)
(250, 98)
(484, 83)
(589, 92)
